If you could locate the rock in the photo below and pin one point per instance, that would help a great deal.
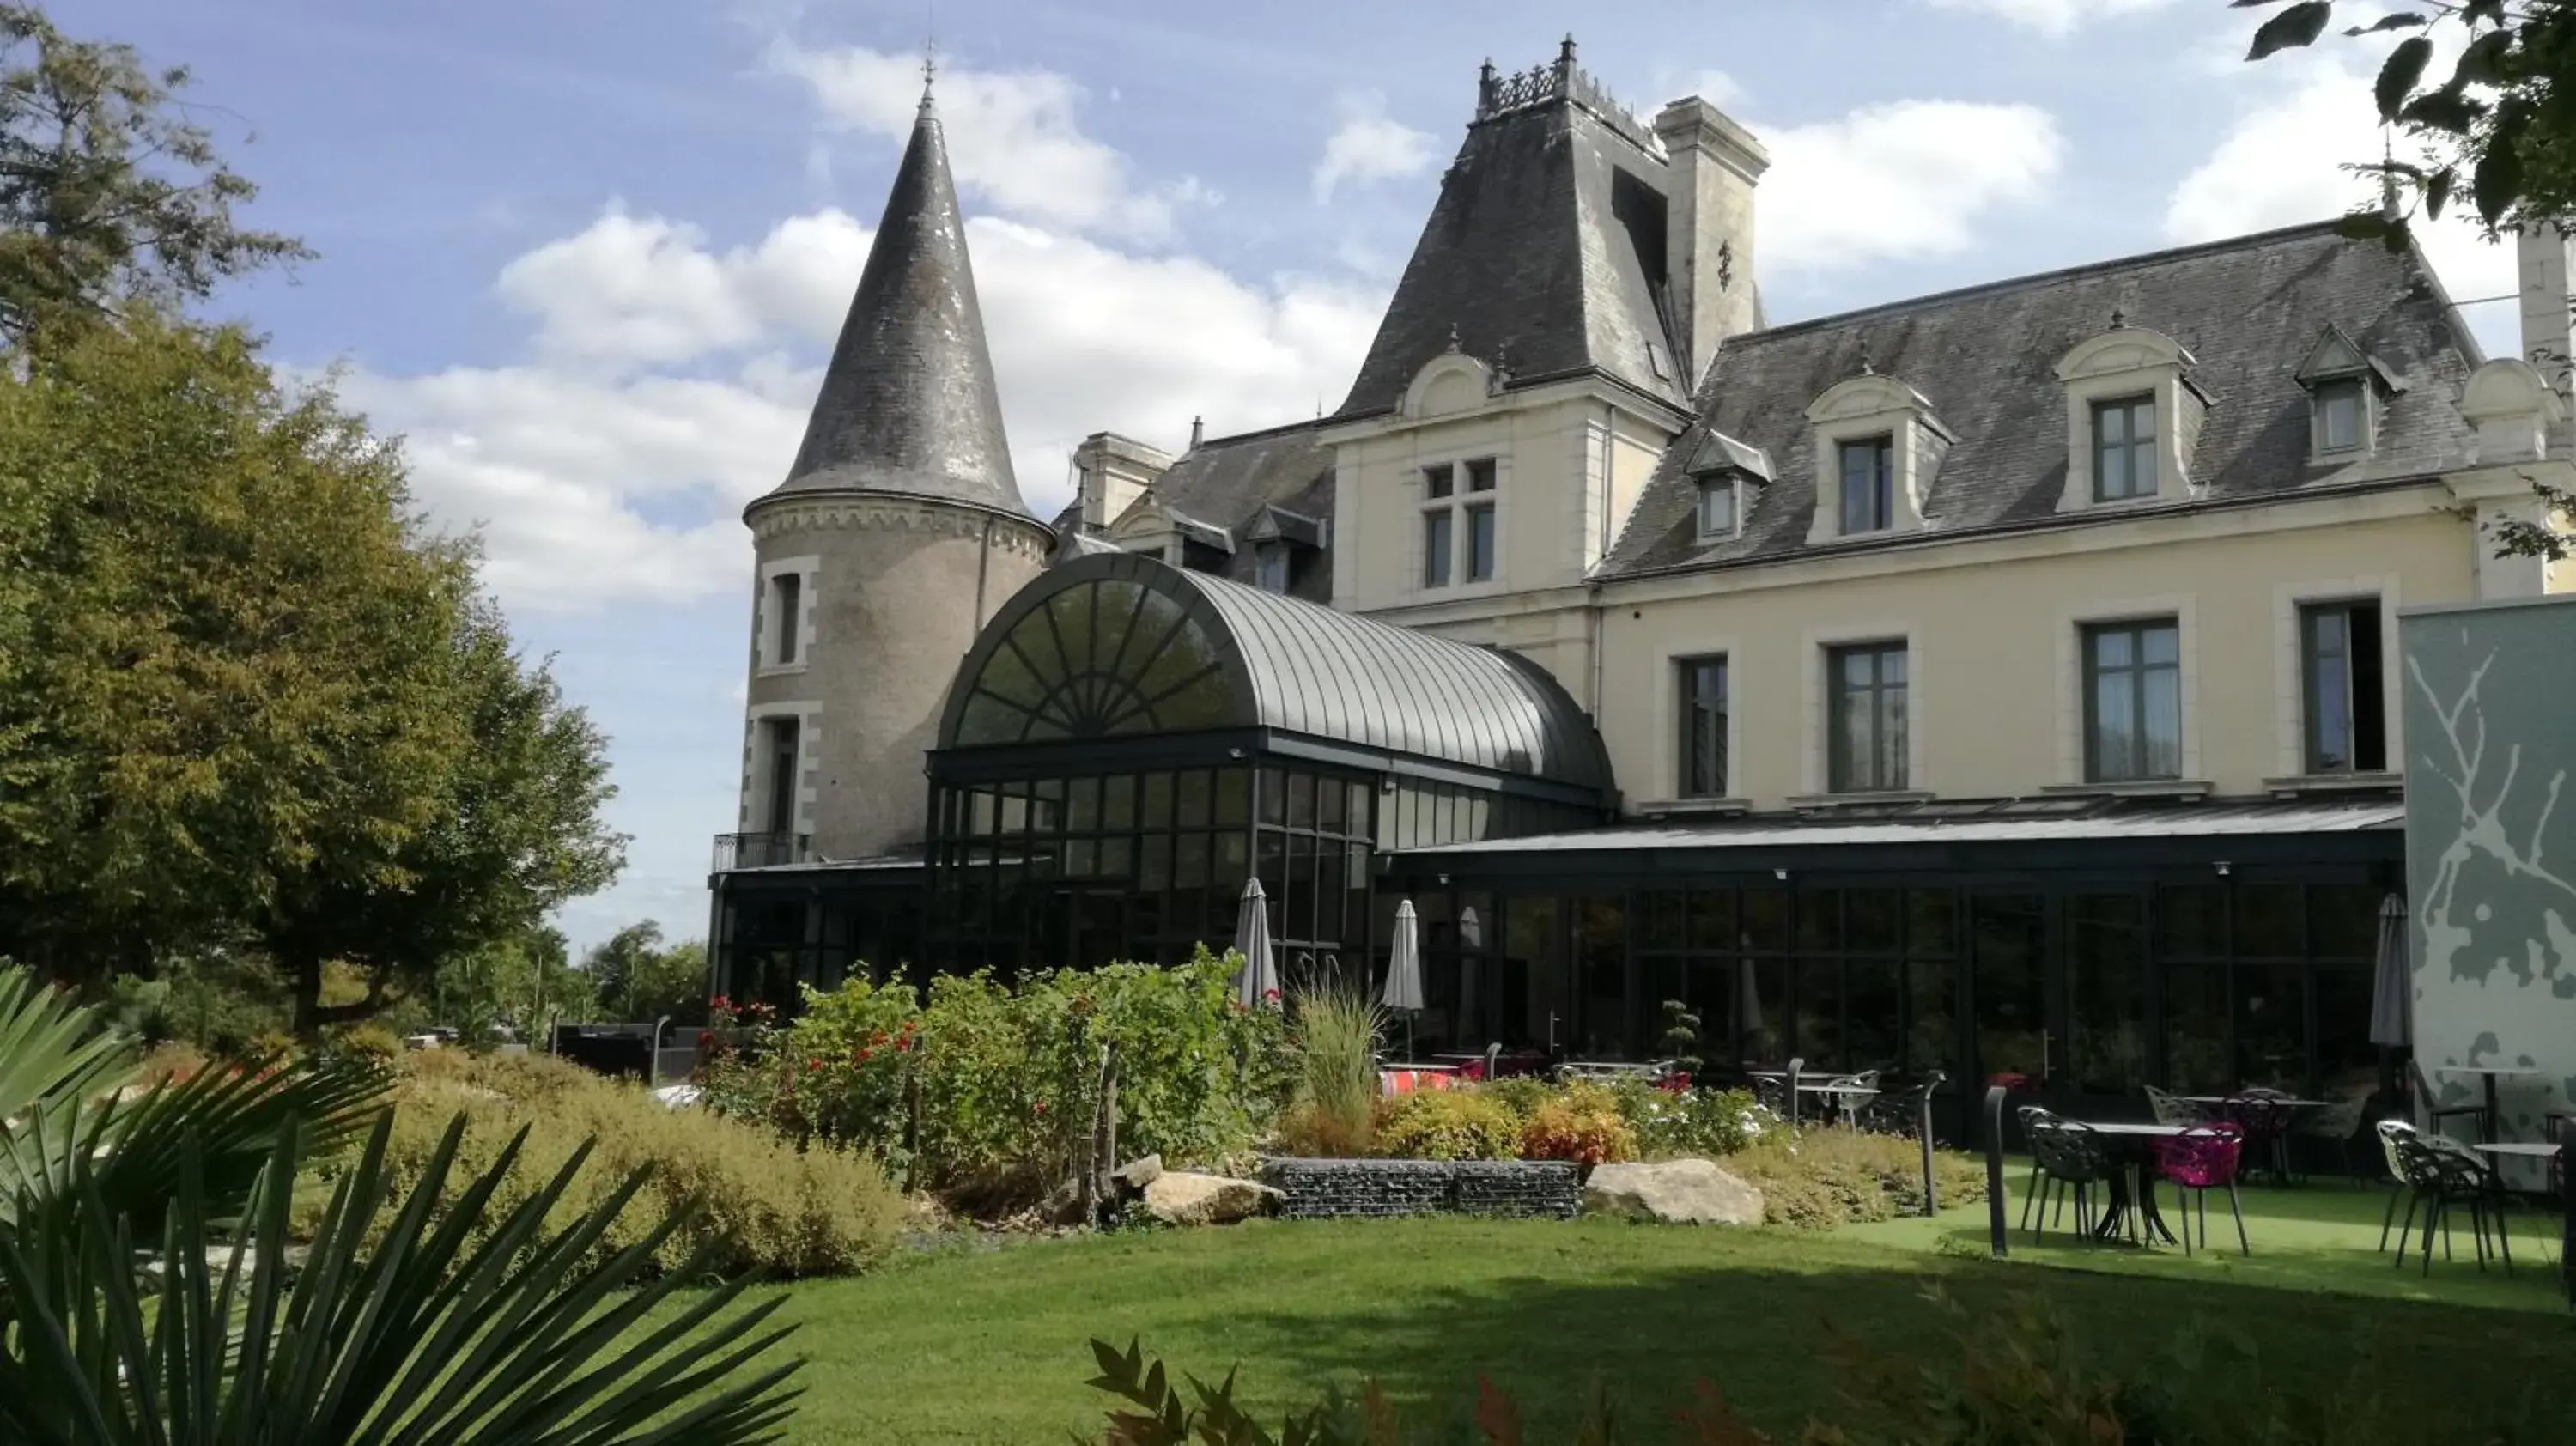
(1180, 1197)
(1674, 1192)
(1135, 1175)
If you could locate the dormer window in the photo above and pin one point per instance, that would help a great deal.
(1270, 566)
(1717, 508)
(1727, 474)
(1869, 478)
(2345, 386)
(1878, 448)
(2124, 449)
(2133, 417)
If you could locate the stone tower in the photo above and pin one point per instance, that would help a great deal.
(897, 532)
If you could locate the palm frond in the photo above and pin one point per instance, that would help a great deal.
(56, 1054)
(513, 1343)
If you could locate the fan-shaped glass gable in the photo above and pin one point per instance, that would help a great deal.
(1115, 646)
(1099, 658)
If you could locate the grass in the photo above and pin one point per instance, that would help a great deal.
(989, 1346)
(2322, 1236)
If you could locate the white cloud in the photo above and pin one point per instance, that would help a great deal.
(2280, 165)
(1369, 146)
(1898, 181)
(1014, 137)
(669, 385)
(2049, 17)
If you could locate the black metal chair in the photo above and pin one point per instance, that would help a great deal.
(2427, 1104)
(2067, 1158)
(1898, 1107)
(2449, 1174)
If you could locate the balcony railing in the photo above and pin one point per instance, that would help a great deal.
(761, 850)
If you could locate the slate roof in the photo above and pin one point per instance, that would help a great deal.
(908, 403)
(1536, 257)
(2249, 309)
(1226, 482)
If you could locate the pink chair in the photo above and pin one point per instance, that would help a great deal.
(2201, 1159)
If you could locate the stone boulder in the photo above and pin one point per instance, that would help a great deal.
(1181, 1197)
(1673, 1192)
(1132, 1177)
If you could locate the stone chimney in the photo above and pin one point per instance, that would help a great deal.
(2545, 259)
(1709, 227)
(1114, 472)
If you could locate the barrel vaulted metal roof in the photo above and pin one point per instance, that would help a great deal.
(1303, 668)
(908, 404)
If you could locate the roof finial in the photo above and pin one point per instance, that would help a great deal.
(2119, 317)
(2388, 207)
(1865, 368)
(929, 67)
(1453, 336)
(1565, 50)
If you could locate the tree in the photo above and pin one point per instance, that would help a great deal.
(639, 977)
(2499, 130)
(109, 193)
(249, 703)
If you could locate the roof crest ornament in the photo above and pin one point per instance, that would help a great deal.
(1559, 81)
(929, 70)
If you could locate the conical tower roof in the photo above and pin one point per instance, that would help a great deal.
(908, 405)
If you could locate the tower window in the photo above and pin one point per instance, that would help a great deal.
(786, 608)
(783, 738)
(1459, 537)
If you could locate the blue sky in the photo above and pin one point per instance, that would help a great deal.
(587, 256)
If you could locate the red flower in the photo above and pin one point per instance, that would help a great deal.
(1269, 996)
(812, 1065)
(864, 1053)
(1040, 1107)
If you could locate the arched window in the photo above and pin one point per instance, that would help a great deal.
(1102, 658)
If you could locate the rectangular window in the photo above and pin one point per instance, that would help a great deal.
(2343, 687)
(2124, 449)
(1703, 730)
(1480, 543)
(1868, 484)
(1480, 475)
(781, 815)
(1717, 508)
(786, 598)
(1270, 566)
(1865, 718)
(2340, 416)
(2132, 701)
(1439, 482)
(1435, 548)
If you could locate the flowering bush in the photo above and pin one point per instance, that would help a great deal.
(986, 1087)
(1582, 1125)
(1447, 1125)
(1670, 1123)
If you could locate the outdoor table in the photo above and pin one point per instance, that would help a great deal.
(1846, 1097)
(2223, 1099)
(2134, 1183)
(2491, 1073)
(2528, 1149)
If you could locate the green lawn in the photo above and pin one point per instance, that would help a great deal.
(989, 1347)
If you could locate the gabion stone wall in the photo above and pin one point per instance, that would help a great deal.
(1324, 1189)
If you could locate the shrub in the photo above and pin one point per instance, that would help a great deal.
(1447, 1125)
(987, 1091)
(1699, 1122)
(1523, 1093)
(372, 1042)
(1828, 1177)
(1336, 1033)
(760, 1203)
(1315, 1134)
(1582, 1125)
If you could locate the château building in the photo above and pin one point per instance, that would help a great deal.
(2003, 682)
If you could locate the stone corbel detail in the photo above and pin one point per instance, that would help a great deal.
(1018, 536)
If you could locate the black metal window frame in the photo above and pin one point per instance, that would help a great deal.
(2110, 755)
(2124, 429)
(2343, 705)
(1702, 756)
(1883, 698)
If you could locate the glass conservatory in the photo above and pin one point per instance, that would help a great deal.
(1128, 743)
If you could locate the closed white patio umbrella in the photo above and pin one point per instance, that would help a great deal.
(1256, 983)
(1403, 991)
(2392, 991)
